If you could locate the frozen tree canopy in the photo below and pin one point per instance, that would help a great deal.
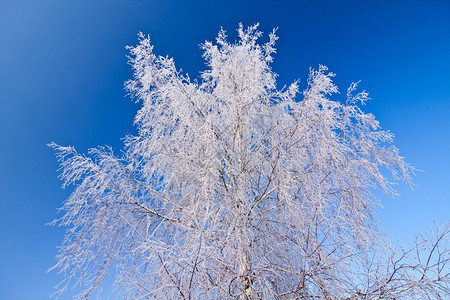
(233, 188)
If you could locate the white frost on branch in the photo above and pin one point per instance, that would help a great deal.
(235, 189)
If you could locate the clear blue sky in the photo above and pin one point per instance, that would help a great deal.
(63, 64)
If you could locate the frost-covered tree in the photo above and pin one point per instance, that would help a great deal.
(233, 188)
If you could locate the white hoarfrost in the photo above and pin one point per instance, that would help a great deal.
(233, 188)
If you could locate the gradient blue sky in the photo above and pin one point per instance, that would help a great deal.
(63, 65)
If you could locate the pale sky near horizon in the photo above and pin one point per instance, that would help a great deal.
(63, 65)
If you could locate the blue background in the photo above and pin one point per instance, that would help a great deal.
(63, 65)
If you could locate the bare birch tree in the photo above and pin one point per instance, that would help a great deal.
(233, 188)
